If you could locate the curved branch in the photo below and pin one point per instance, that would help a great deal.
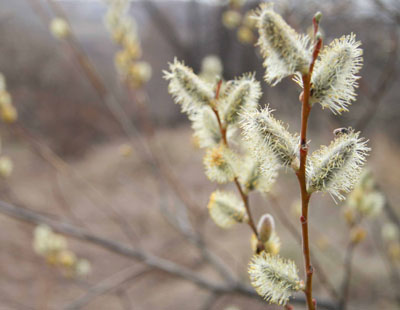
(149, 259)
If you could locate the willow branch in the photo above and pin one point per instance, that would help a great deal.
(91, 74)
(109, 284)
(64, 168)
(387, 79)
(282, 216)
(115, 247)
(32, 217)
(390, 266)
(301, 173)
(305, 196)
(243, 195)
(345, 287)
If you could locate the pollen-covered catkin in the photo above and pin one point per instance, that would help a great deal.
(226, 209)
(274, 278)
(285, 52)
(124, 32)
(220, 163)
(336, 168)
(54, 248)
(266, 135)
(365, 199)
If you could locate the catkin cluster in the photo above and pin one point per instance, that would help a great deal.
(391, 238)
(246, 145)
(8, 114)
(123, 29)
(244, 24)
(54, 248)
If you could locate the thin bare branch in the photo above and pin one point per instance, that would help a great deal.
(64, 168)
(148, 259)
(387, 79)
(108, 285)
(282, 216)
(345, 286)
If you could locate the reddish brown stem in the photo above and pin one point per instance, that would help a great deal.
(301, 176)
(301, 172)
(283, 217)
(317, 49)
(245, 199)
(221, 127)
(243, 195)
(305, 196)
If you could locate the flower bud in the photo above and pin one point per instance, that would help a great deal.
(265, 227)
(317, 17)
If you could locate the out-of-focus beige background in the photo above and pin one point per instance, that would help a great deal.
(66, 151)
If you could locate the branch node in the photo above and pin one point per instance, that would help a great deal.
(310, 270)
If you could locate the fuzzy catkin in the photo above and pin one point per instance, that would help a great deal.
(206, 128)
(336, 168)
(187, 88)
(334, 78)
(285, 52)
(256, 174)
(226, 209)
(219, 163)
(274, 278)
(266, 135)
(241, 94)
